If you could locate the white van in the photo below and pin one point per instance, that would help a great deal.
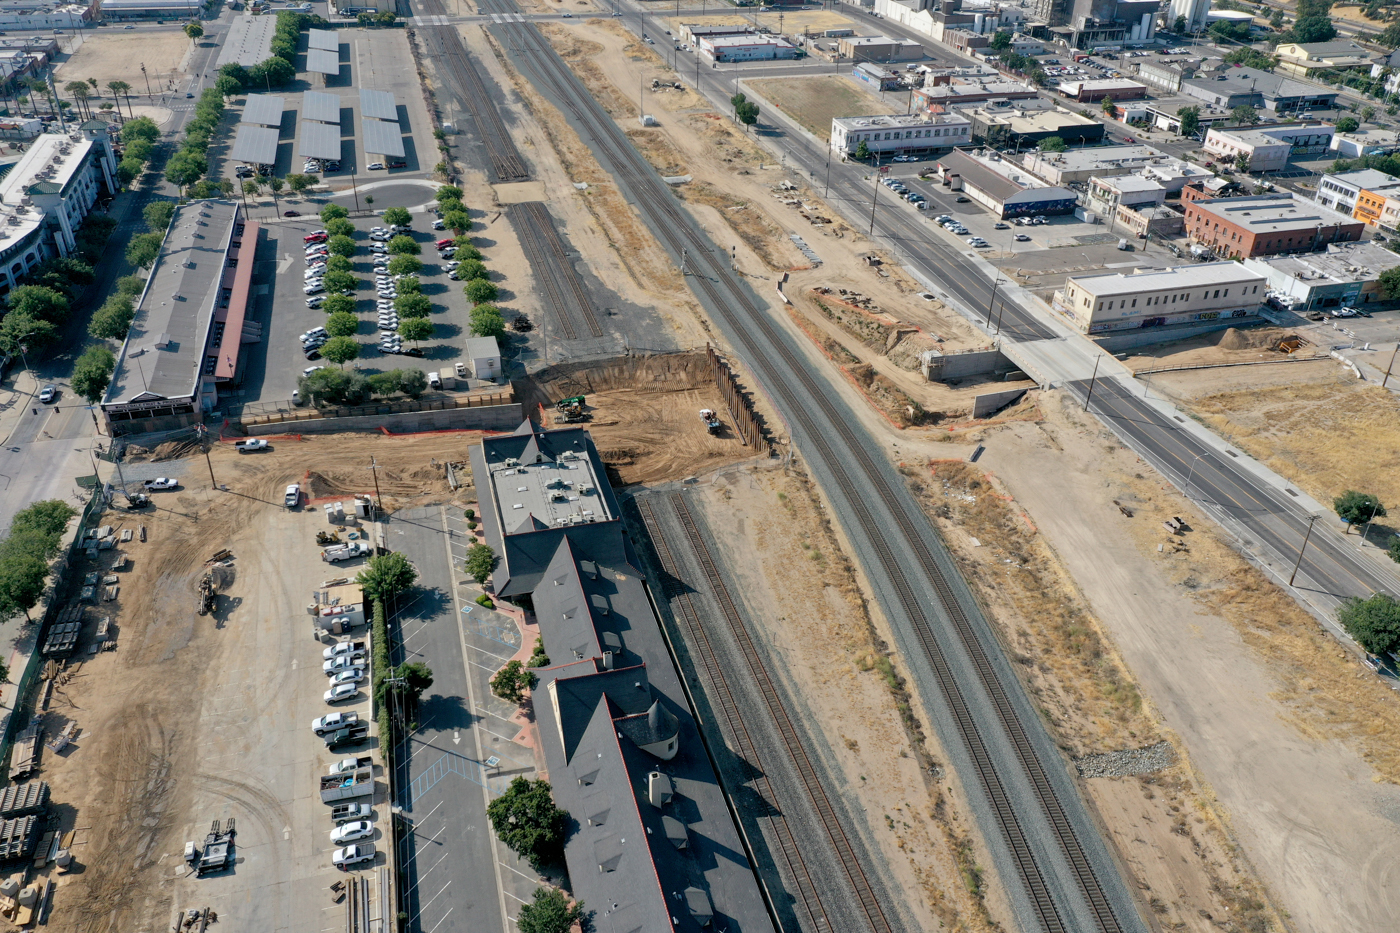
(434, 381)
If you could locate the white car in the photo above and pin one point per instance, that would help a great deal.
(341, 693)
(375, 166)
(313, 332)
(439, 225)
(311, 369)
(312, 288)
(349, 832)
(315, 272)
(333, 721)
(343, 662)
(350, 676)
(292, 497)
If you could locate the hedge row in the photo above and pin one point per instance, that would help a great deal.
(380, 672)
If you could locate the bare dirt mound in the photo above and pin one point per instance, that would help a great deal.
(1257, 338)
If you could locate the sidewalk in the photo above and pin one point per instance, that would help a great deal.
(18, 395)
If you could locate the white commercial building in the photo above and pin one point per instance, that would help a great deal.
(1080, 165)
(45, 14)
(900, 134)
(1135, 191)
(1268, 147)
(1155, 297)
(747, 48)
(1366, 142)
(46, 195)
(1340, 192)
(484, 357)
(1346, 275)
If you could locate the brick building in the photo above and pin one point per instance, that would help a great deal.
(1266, 225)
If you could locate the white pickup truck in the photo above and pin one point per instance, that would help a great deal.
(250, 445)
(346, 551)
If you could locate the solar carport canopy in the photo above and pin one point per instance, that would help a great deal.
(263, 109)
(256, 145)
(319, 140)
(323, 61)
(322, 107)
(327, 39)
(378, 104)
(383, 138)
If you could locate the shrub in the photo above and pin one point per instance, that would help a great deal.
(511, 682)
(1374, 622)
(484, 600)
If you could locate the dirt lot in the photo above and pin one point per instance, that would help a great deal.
(1286, 756)
(836, 661)
(793, 21)
(813, 102)
(1314, 423)
(644, 415)
(119, 58)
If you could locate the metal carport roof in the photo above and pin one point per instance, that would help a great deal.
(327, 39)
(383, 138)
(256, 145)
(319, 140)
(378, 104)
(264, 110)
(322, 107)
(323, 62)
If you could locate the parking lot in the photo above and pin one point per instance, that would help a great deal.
(273, 367)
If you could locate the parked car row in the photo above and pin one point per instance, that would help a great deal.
(352, 820)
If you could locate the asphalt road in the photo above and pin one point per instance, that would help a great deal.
(450, 860)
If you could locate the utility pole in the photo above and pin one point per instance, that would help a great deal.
(992, 300)
(1294, 575)
(374, 471)
(1092, 380)
(204, 445)
(1391, 366)
(874, 197)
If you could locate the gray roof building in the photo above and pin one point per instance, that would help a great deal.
(655, 848)
(1258, 89)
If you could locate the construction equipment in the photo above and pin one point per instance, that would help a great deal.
(217, 852)
(571, 409)
(522, 324)
(712, 422)
(324, 538)
(207, 594)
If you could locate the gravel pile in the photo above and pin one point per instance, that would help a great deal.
(1124, 763)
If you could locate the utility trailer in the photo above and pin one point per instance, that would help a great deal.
(347, 786)
(217, 852)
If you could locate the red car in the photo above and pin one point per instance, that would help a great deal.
(315, 238)
(398, 165)
(443, 244)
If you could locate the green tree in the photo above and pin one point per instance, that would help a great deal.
(339, 226)
(479, 291)
(48, 517)
(78, 90)
(333, 387)
(226, 86)
(386, 575)
(1001, 40)
(194, 30)
(338, 304)
(481, 560)
(747, 112)
(1314, 29)
(1053, 144)
(1357, 508)
(413, 382)
(157, 215)
(472, 269)
(417, 677)
(113, 319)
(526, 819)
(271, 72)
(252, 188)
(128, 170)
(1108, 107)
(466, 250)
(410, 285)
(339, 264)
(1242, 162)
(1393, 548)
(1374, 622)
(405, 265)
(397, 217)
(20, 330)
(275, 185)
(299, 182)
(386, 383)
(186, 167)
(341, 246)
(448, 193)
(1179, 25)
(92, 372)
(486, 321)
(862, 150)
(456, 221)
(333, 212)
(1389, 283)
(341, 350)
(1367, 113)
(130, 286)
(21, 583)
(37, 301)
(409, 306)
(342, 324)
(339, 282)
(511, 681)
(550, 911)
(404, 246)
(120, 89)
(416, 329)
(1190, 120)
(1348, 125)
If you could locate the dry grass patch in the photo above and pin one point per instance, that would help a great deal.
(814, 102)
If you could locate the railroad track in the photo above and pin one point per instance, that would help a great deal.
(859, 481)
(554, 269)
(806, 894)
(802, 764)
(445, 46)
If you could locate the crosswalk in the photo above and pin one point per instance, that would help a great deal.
(508, 17)
(430, 21)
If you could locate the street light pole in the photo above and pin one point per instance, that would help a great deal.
(1294, 575)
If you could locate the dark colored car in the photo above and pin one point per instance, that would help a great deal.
(398, 165)
(291, 213)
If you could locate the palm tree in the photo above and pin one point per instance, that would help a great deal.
(274, 184)
(119, 88)
(78, 90)
(39, 84)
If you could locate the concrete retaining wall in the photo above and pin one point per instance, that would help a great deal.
(1146, 336)
(486, 418)
(993, 402)
(961, 365)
